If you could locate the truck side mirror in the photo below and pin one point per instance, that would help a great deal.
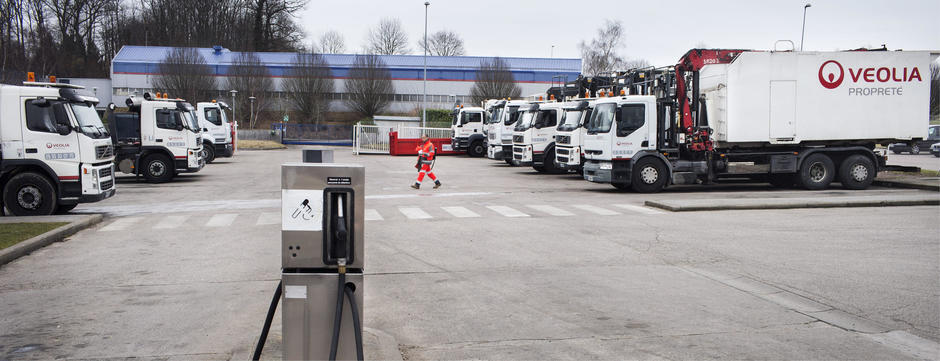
(205, 129)
(179, 124)
(63, 129)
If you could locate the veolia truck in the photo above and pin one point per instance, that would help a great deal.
(570, 132)
(468, 131)
(807, 118)
(217, 132)
(533, 138)
(499, 129)
(158, 138)
(54, 151)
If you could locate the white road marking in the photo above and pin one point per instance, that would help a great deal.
(221, 220)
(433, 193)
(268, 218)
(639, 209)
(555, 211)
(373, 215)
(414, 213)
(506, 211)
(120, 224)
(460, 212)
(596, 210)
(169, 222)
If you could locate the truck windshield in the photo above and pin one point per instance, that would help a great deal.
(190, 121)
(525, 122)
(88, 120)
(601, 118)
(497, 114)
(511, 116)
(571, 121)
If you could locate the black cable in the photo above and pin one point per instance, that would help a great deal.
(267, 323)
(357, 326)
(338, 316)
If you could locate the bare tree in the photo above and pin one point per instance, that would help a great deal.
(443, 43)
(494, 80)
(273, 27)
(250, 78)
(308, 85)
(934, 90)
(184, 73)
(369, 85)
(600, 54)
(635, 64)
(332, 42)
(387, 38)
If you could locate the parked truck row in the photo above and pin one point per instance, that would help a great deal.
(789, 118)
(56, 152)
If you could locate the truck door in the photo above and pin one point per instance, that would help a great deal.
(782, 110)
(632, 130)
(544, 132)
(42, 141)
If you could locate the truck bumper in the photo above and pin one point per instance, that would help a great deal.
(182, 166)
(594, 173)
(568, 158)
(494, 152)
(87, 198)
(460, 143)
(224, 150)
(521, 155)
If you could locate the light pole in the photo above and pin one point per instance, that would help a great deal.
(233, 92)
(552, 54)
(424, 99)
(251, 112)
(803, 32)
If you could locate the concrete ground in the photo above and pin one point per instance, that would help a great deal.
(924, 160)
(500, 263)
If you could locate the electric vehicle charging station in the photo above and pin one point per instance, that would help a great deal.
(322, 218)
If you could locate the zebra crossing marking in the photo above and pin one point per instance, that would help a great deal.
(460, 212)
(507, 211)
(414, 213)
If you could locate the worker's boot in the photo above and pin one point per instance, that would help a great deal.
(437, 184)
(416, 185)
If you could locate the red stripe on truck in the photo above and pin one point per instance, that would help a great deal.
(68, 177)
(180, 157)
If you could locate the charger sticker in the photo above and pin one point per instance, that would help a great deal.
(302, 209)
(295, 291)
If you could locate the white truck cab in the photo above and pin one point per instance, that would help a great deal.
(158, 138)
(499, 129)
(533, 138)
(620, 129)
(569, 153)
(217, 132)
(467, 126)
(54, 150)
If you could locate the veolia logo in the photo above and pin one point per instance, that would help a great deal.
(829, 80)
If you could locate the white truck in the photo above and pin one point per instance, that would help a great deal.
(569, 154)
(807, 118)
(217, 132)
(157, 139)
(467, 126)
(533, 138)
(499, 129)
(54, 150)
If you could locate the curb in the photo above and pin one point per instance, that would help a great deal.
(897, 184)
(769, 204)
(28, 246)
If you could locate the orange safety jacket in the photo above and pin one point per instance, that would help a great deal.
(426, 151)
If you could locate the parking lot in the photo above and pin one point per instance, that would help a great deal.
(499, 263)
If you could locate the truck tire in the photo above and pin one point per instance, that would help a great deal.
(549, 163)
(476, 149)
(539, 168)
(208, 153)
(915, 150)
(856, 172)
(30, 194)
(157, 168)
(508, 161)
(649, 175)
(817, 172)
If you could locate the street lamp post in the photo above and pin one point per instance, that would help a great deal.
(251, 112)
(233, 92)
(552, 54)
(424, 99)
(803, 32)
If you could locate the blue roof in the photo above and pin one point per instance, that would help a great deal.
(143, 60)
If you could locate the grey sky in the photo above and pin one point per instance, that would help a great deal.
(659, 31)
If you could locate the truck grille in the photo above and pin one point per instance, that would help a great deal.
(562, 151)
(517, 156)
(562, 159)
(517, 138)
(104, 151)
(104, 172)
(518, 149)
(107, 184)
(563, 139)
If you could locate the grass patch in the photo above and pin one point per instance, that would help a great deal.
(13, 233)
(259, 145)
(929, 172)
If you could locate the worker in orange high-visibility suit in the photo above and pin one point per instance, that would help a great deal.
(425, 159)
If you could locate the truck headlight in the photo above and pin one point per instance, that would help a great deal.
(607, 166)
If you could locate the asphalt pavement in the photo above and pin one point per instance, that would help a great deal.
(499, 263)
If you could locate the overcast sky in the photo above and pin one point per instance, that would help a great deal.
(658, 31)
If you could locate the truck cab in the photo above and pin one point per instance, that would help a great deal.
(54, 150)
(218, 133)
(467, 126)
(158, 138)
(569, 154)
(499, 129)
(620, 129)
(533, 138)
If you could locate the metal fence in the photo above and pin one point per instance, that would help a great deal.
(314, 133)
(416, 132)
(370, 139)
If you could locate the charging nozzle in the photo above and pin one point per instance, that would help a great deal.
(337, 242)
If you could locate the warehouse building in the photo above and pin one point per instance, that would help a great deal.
(450, 78)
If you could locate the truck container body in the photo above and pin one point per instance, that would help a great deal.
(789, 118)
(570, 133)
(54, 150)
(467, 127)
(499, 130)
(533, 138)
(217, 131)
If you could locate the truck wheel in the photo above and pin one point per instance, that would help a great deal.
(915, 150)
(649, 175)
(856, 172)
(549, 163)
(208, 153)
(817, 172)
(508, 161)
(30, 194)
(476, 149)
(539, 168)
(157, 168)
